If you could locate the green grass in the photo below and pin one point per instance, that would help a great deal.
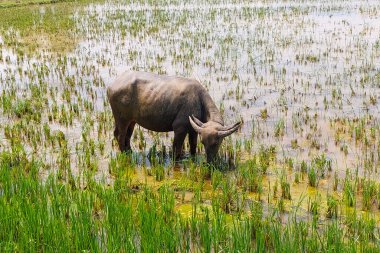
(15, 3)
(60, 216)
(29, 30)
(277, 187)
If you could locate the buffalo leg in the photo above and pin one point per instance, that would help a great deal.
(179, 137)
(116, 133)
(120, 135)
(129, 135)
(193, 137)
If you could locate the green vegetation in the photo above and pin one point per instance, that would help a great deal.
(58, 215)
(14, 3)
(302, 175)
(32, 29)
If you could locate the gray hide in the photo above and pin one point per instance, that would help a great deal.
(167, 103)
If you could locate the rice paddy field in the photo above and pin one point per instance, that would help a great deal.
(301, 175)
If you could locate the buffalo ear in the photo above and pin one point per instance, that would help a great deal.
(197, 128)
(234, 128)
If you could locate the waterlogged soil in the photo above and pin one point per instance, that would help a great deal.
(303, 77)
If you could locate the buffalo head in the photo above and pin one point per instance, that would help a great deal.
(212, 134)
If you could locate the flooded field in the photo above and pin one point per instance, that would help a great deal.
(301, 174)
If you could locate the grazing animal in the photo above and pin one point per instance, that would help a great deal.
(167, 103)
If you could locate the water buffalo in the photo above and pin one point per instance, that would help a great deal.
(167, 103)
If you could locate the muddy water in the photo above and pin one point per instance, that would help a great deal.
(305, 64)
